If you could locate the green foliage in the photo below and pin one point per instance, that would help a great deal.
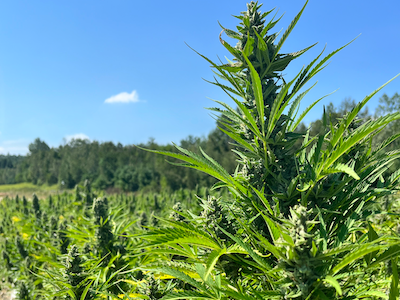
(110, 166)
(23, 292)
(389, 105)
(80, 251)
(36, 206)
(104, 236)
(300, 221)
(74, 272)
(304, 215)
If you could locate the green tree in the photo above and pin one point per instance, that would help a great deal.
(127, 179)
(37, 146)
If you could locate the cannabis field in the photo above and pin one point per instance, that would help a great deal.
(82, 243)
(302, 216)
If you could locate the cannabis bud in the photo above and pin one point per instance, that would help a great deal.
(76, 274)
(20, 246)
(300, 269)
(63, 239)
(215, 217)
(153, 220)
(73, 266)
(175, 214)
(151, 288)
(36, 207)
(104, 235)
(23, 293)
(25, 204)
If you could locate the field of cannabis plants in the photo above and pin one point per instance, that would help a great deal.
(82, 245)
(88, 246)
(301, 217)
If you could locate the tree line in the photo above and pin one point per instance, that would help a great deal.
(108, 165)
(129, 168)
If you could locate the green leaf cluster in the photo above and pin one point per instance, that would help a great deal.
(300, 219)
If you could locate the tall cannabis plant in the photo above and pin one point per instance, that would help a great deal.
(297, 222)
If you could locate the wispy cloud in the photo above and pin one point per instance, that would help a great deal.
(123, 97)
(77, 136)
(14, 147)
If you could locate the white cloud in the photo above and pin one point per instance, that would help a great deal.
(14, 147)
(78, 136)
(123, 97)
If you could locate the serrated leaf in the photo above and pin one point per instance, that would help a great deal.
(186, 295)
(238, 139)
(262, 263)
(224, 74)
(295, 106)
(355, 255)
(361, 133)
(264, 200)
(389, 253)
(231, 33)
(248, 48)
(261, 43)
(257, 89)
(279, 105)
(334, 283)
(288, 31)
(394, 285)
(305, 112)
(178, 274)
(273, 229)
(86, 290)
(372, 235)
(345, 123)
(212, 260)
(374, 294)
(343, 168)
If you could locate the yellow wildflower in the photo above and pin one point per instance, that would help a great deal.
(15, 219)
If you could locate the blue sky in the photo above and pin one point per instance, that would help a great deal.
(65, 66)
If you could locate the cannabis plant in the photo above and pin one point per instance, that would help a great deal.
(298, 220)
(104, 235)
(23, 292)
(78, 282)
(63, 239)
(25, 205)
(36, 207)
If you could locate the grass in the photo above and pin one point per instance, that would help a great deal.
(27, 189)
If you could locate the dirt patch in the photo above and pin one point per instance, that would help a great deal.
(2, 195)
(7, 295)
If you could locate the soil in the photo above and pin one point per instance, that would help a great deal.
(7, 295)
